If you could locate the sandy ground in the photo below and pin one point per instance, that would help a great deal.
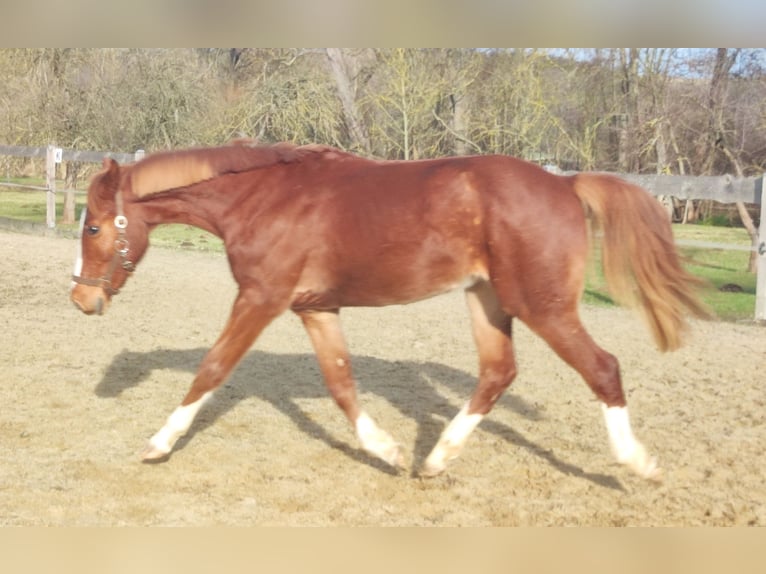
(81, 395)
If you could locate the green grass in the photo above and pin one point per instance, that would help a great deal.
(716, 266)
(25, 205)
(720, 267)
(31, 206)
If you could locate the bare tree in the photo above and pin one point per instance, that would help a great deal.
(657, 110)
(719, 134)
(458, 68)
(345, 68)
(582, 107)
(511, 104)
(404, 93)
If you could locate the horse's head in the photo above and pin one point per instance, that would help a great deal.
(111, 244)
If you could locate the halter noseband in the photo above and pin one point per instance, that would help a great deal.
(120, 258)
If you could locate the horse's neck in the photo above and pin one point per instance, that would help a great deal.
(185, 207)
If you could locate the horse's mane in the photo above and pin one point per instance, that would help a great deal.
(163, 171)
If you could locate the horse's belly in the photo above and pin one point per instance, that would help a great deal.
(379, 286)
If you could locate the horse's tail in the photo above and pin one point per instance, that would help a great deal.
(641, 265)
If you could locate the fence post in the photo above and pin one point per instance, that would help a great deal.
(50, 183)
(760, 269)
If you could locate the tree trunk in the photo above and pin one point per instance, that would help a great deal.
(344, 82)
(744, 215)
(628, 130)
(460, 123)
(752, 230)
(717, 140)
(70, 181)
(661, 149)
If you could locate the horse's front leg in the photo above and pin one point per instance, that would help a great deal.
(251, 314)
(329, 344)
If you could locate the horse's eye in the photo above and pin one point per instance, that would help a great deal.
(93, 229)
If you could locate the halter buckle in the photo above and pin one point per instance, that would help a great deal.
(122, 246)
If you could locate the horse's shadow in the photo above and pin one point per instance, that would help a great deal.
(284, 379)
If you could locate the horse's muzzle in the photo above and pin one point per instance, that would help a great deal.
(91, 301)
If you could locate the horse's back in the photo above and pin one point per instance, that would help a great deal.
(394, 232)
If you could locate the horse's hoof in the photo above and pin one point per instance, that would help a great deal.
(399, 462)
(656, 476)
(652, 472)
(378, 442)
(431, 470)
(153, 454)
(643, 464)
(393, 456)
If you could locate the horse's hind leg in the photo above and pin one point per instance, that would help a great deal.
(329, 344)
(497, 369)
(566, 335)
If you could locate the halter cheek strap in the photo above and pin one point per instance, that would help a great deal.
(120, 257)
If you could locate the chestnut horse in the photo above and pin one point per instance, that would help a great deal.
(314, 229)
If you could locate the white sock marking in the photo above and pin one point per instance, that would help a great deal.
(621, 436)
(176, 426)
(378, 442)
(625, 446)
(451, 441)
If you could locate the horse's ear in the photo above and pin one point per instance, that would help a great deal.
(109, 180)
(110, 166)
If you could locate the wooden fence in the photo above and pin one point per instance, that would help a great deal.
(54, 155)
(724, 189)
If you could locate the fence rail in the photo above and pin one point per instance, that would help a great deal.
(54, 155)
(724, 189)
(68, 154)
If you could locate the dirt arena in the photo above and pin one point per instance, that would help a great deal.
(81, 395)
